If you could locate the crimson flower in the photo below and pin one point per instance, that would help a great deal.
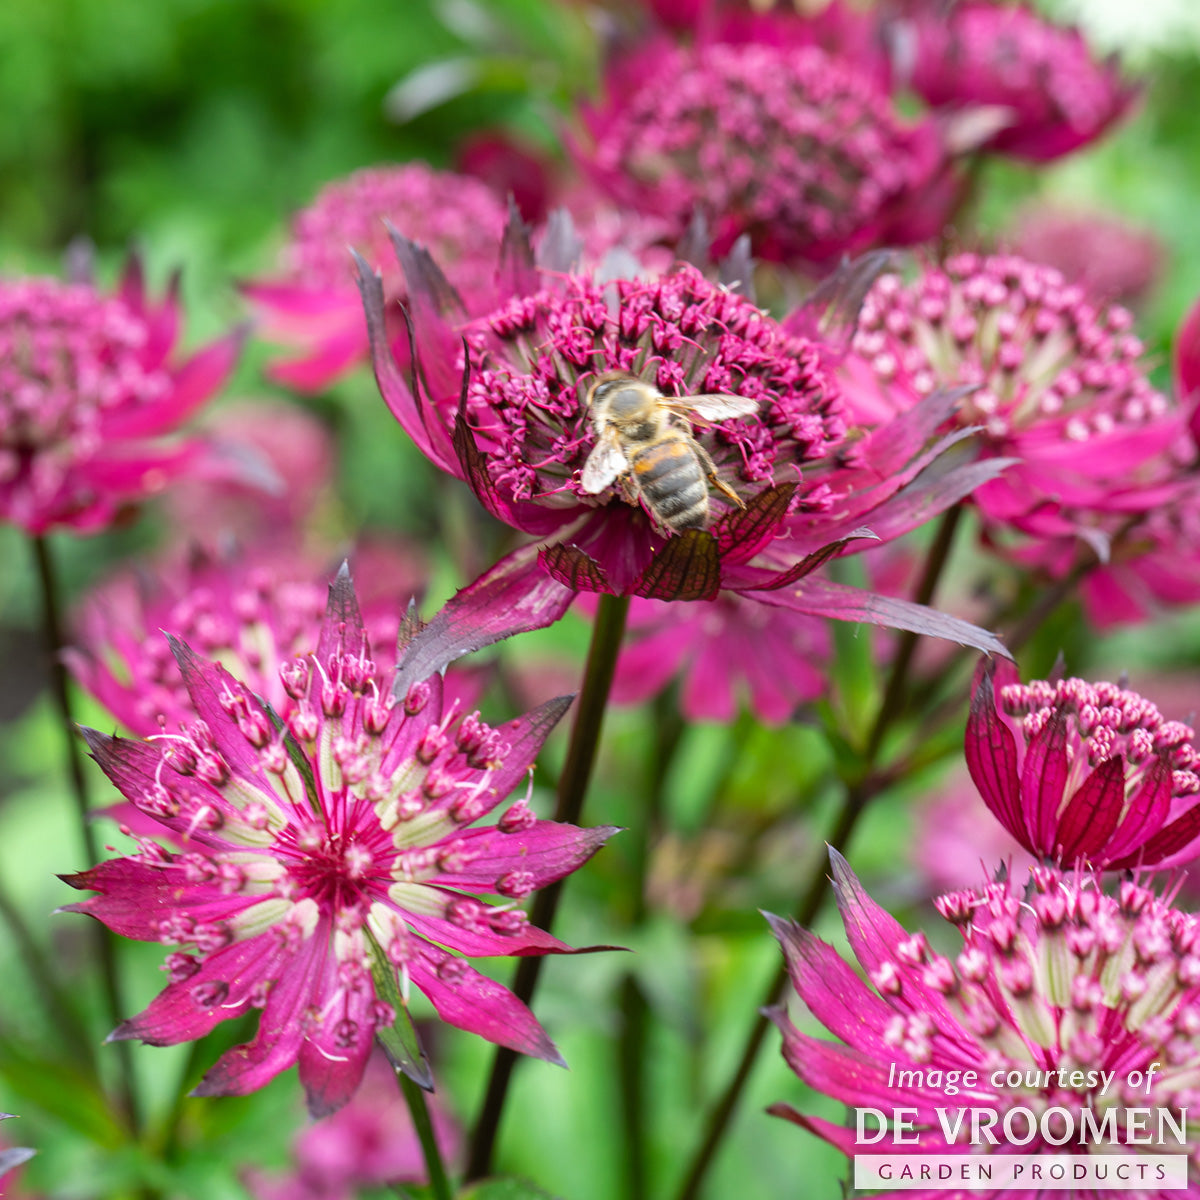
(1057, 384)
(764, 135)
(1056, 982)
(501, 402)
(1109, 258)
(1053, 96)
(296, 447)
(327, 855)
(89, 392)
(1078, 771)
(252, 610)
(370, 1142)
(314, 305)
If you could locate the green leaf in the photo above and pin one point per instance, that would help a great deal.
(61, 1091)
(399, 1041)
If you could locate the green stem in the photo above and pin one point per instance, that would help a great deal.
(103, 940)
(61, 1013)
(858, 793)
(414, 1097)
(605, 646)
(669, 728)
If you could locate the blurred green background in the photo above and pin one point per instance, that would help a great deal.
(192, 129)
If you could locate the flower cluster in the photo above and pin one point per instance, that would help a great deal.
(1052, 975)
(1055, 382)
(1085, 772)
(315, 306)
(1052, 94)
(321, 856)
(88, 395)
(252, 613)
(783, 142)
(1109, 258)
(524, 430)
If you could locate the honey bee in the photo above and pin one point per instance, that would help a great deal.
(644, 439)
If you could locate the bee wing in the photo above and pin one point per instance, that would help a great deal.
(717, 406)
(606, 461)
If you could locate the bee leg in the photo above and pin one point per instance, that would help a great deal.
(630, 492)
(710, 469)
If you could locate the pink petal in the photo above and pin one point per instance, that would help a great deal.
(281, 1028)
(512, 597)
(547, 851)
(467, 1000)
(823, 598)
(1043, 782)
(334, 1053)
(175, 1014)
(1092, 813)
(991, 755)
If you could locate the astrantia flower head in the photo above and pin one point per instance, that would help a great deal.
(315, 305)
(251, 611)
(786, 143)
(1078, 771)
(1058, 384)
(955, 840)
(322, 857)
(1053, 94)
(524, 430)
(505, 402)
(370, 1142)
(1108, 257)
(1054, 977)
(88, 393)
(296, 447)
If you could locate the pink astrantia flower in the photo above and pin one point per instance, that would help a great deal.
(502, 402)
(724, 651)
(315, 305)
(1052, 93)
(1078, 771)
(1106, 256)
(368, 1143)
(1143, 555)
(956, 841)
(90, 389)
(1058, 385)
(1053, 976)
(252, 611)
(295, 446)
(325, 856)
(784, 142)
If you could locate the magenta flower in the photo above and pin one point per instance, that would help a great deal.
(503, 404)
(368, 1143)
(295, 446)
(1058, 385)
(795, 147)
(327, 855)
(955, 842)
(1085, 772)
(724, 651)
(1053, 96)
(1109, 258)
(89, 392)
(1053, 975)
(315, 305)
(252, 611)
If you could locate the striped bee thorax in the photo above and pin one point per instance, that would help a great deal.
(671, 480)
